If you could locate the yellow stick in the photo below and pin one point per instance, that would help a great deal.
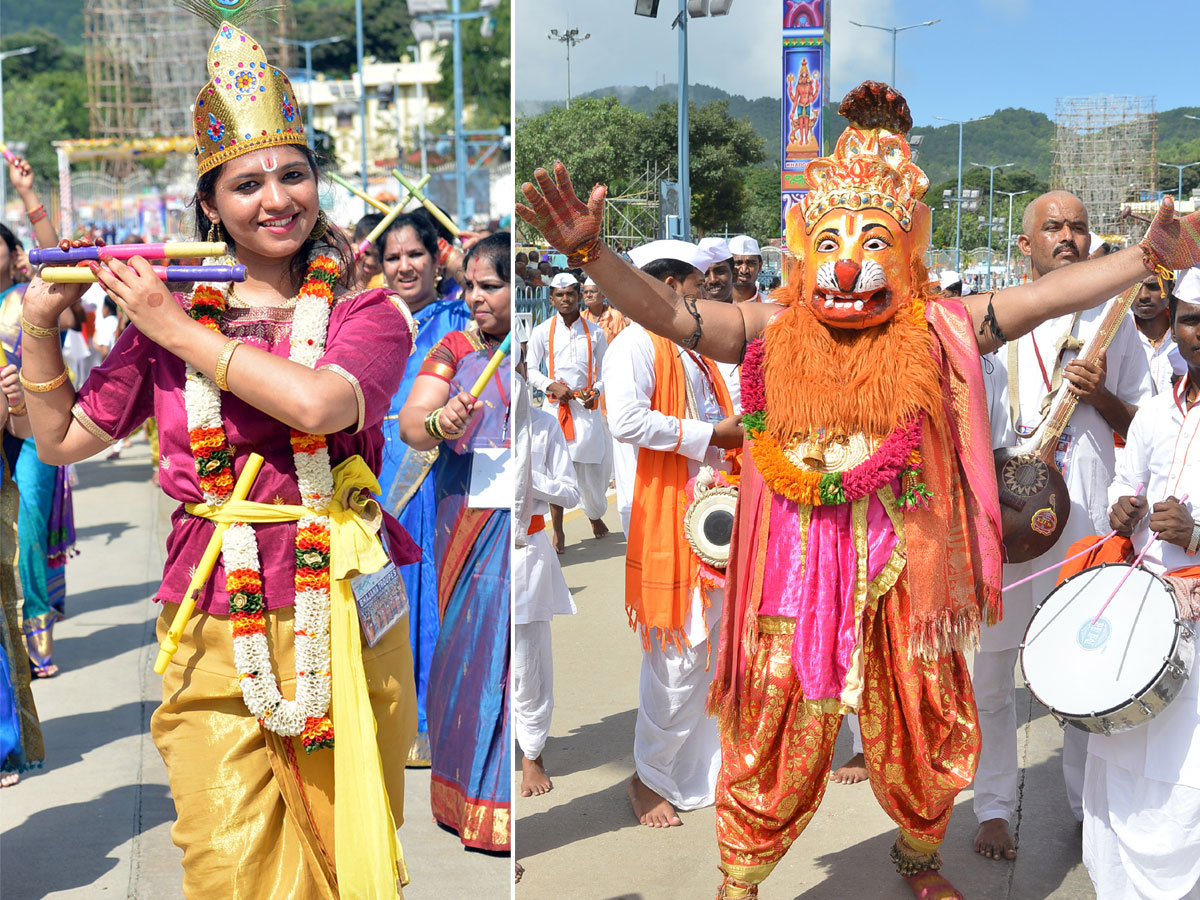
(493, 364)
(361, 195)
(415, 190)
(170, 643)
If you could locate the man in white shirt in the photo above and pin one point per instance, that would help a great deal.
(664, 439)
(1019, 378)
(540, 591)
(572, 352)
(747, 266)
(718, 282)
(1153, 323)
(1141, 798)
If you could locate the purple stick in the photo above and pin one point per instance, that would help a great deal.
(201, 273)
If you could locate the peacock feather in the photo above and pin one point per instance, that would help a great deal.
(232, 11)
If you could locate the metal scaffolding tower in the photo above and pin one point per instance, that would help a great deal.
(145, 64)
(1105, 153)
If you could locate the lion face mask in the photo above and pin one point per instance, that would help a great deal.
(860, 226)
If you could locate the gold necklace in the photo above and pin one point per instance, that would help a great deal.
(235, 302)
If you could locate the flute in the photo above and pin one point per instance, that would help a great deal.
(170, 250)
(415, 190)
(241, 490)
(490, 369)
(83, 275)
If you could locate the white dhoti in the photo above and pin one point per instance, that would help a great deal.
(676, 748)
(998, 775)
(593, 479)
(1141, 837)
(532, 686)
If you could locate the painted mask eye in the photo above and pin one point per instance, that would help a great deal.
(875, 244)
(827, 245)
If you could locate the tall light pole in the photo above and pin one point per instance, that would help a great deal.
(3, 180)
(1179, 193)
(991, 185)
(308, 73)
(1008, 246)
(958, 194)
(570, 37)
(894, 32)
(416, 52)
(684, 164)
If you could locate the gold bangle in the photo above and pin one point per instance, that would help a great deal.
(221, 375)
(37, 331)
(446, 435)
(19, 410)
(43, 387)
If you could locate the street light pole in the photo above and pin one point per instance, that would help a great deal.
(416, 50)
(958, 198)
(894, 32)
(685, 181)
(4, 181)
(362, 96)
(308, 73)
(991, 185)
(1179, 193)
(570, 37)
(1008, 245)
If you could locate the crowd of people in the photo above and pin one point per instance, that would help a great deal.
(359, 620)
(855, 412)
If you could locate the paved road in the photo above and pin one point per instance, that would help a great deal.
(96, 821)
(581, 840)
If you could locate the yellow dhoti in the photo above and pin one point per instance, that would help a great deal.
(255, 812)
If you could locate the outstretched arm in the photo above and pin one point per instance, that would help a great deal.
(1170, 243)
(575, 228)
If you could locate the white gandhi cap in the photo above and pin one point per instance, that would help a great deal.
(563, 279)
(1187, 288)
(744, 245)
(717, 249)
(684, 251)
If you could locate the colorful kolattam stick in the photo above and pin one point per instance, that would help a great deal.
(361, 195)
(415, 190)
(171, 250)
(493, 364)
(83, 275)
(379, 229)
(241, 490)
(7, 154)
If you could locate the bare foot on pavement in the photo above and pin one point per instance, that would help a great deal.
(994, 840)
(534, 780)
(853, 772)
(649, 807)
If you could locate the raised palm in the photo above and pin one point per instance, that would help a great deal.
(556, 211)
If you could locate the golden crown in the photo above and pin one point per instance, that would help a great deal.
(871, 167)
(246, 105)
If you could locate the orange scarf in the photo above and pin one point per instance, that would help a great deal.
(565, 420)
(660, 569)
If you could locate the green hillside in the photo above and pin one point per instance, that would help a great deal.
(63, 18)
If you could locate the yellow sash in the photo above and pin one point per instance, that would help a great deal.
(367, 850)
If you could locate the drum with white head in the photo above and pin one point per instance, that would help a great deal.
(1114, 673)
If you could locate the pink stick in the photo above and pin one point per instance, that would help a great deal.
(1150, 543)
(1138, 493)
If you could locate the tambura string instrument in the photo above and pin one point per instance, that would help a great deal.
(1034, 505)
(1116, 672)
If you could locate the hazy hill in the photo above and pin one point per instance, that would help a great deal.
(63, 18)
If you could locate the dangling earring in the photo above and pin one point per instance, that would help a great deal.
(213, 235)
(322, 226)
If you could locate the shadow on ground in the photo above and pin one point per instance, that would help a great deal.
(73, 653)
(591, 746)
(66, 847)
(69, 738)
(111, 595)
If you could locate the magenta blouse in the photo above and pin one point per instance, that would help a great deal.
(368, 345)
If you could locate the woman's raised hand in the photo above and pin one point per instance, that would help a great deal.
(556, 211)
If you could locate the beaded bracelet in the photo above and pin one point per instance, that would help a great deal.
(43, 387)
(37, 331)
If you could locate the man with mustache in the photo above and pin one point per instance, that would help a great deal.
(747, 264)
(1023, 376)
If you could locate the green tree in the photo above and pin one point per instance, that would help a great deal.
(386, 33)
(598, 139)
(762, 219)
(720, 151)
(487, 72)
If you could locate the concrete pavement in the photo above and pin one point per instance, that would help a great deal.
(96, 821)
(582, 841)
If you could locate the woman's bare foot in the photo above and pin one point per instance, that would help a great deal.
(649, 807)
(534, 780)
(853, 772)
(994, 840)
(929, 885)
(8, 779)
(599, 529)
(48, 670)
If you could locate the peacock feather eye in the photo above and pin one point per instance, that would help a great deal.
(232, 11)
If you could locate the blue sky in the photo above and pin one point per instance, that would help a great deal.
(983, 55)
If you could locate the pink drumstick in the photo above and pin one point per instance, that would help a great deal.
(1136, 563)
(1084, 552)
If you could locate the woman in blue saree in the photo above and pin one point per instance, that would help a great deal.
(468, 682)
(408, 251)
